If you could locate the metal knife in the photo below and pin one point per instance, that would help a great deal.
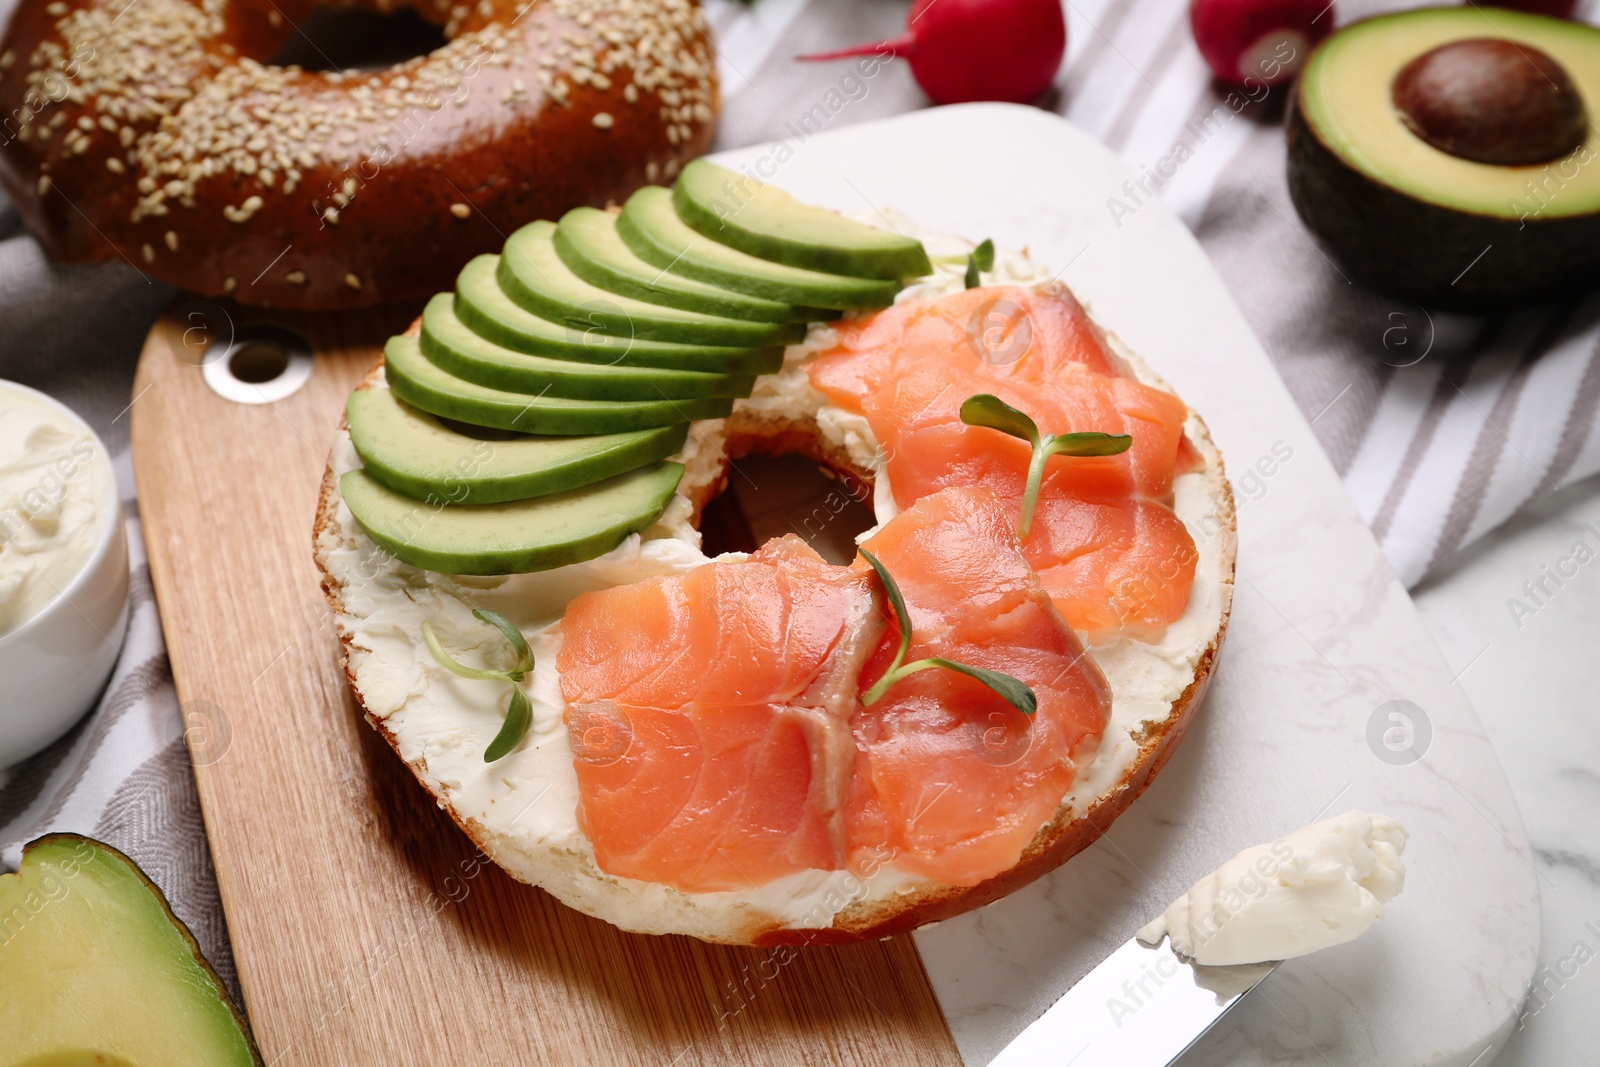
(1142, 1007)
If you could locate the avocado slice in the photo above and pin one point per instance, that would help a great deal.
(447, 342)
(513, 538)
(763, 220)
(1418, 222)
(652, 229)
(586, 239)
(488, 312)
(534, 277)
(95, 968)
(423, 384)
(414, 453)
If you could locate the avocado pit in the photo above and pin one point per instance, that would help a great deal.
(1490, 100)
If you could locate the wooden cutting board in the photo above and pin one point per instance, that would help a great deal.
(366, 927)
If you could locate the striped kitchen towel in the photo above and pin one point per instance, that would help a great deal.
(1442, 426)
(122, 775)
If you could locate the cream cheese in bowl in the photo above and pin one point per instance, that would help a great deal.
(63, 569)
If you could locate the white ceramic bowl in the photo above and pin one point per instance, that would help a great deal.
(54, 665)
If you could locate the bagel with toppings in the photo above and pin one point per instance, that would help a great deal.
(159, 132)
(727, 747)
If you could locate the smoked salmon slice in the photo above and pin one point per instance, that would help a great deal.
(1104, 529)
(709, 716)
(717, 735)
(949, 775)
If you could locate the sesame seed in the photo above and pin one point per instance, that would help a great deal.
(148, 253)
(172, 240)
(229, 284)
(296, 277)
(352, 281)
(274, 133)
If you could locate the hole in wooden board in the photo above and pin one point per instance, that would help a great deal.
(258, 362)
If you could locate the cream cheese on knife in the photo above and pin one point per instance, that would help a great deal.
(1315, 888)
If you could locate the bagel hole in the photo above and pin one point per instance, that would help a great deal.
(358, 39)
(769, 496)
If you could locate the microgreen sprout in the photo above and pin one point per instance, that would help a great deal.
(979, 259)
(1010, 689)
(991, 412)
(519, 711)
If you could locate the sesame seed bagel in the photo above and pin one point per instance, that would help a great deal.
(156, 131)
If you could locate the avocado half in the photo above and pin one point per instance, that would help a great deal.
(1418, 223)
(95, 969)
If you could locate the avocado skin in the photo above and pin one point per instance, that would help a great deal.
(647, 226)
(419, 382)
(101, 853)
(384, 515)
(456, 472)
(1407, 248)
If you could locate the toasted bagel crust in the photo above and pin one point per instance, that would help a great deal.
(168, 140)
(747, 432)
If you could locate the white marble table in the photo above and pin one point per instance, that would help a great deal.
(1535, 689)
(1322, 641)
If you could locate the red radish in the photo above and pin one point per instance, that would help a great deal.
(964, 50)
(1258, 42)
(1560, 9)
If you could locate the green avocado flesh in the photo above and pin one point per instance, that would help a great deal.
(423, 384)
(527, 535)
(486, 310)
(413, 453)
(95, 969)
(587, 241)
(527, 424)
(1345, 97)
(533, 276)
(650, 226)
(447, 342)
(767, 222)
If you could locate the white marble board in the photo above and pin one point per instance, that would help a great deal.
(1322, 635)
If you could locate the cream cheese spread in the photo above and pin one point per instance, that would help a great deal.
(1315, 888)
(523, 808)
(53, 499)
